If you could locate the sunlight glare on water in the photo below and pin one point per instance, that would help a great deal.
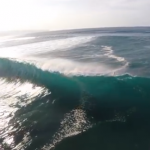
(14, 95)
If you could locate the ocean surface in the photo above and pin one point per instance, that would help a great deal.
(85, 89)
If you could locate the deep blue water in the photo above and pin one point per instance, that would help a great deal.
(86, 89)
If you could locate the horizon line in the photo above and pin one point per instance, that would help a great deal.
(42, 30)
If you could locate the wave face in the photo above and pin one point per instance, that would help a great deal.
(90, 92)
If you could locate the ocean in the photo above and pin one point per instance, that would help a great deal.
(83, 89)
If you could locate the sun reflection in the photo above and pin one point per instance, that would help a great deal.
(13, 96)
(74, 122)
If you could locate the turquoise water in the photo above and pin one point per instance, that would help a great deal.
(79, 89)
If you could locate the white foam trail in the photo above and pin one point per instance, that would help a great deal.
(109, 53)
(43, 47)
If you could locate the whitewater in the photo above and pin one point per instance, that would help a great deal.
(75, 89)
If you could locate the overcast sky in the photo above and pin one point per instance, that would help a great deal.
(68, 14)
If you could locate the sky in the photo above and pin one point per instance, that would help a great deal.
(72, 14)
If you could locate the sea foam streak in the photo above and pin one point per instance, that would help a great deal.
(47, 46)
(109, 53)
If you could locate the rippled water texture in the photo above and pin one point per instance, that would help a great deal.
(77, 89)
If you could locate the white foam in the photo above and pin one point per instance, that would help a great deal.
(43, 47)
(69, 67)
(110, 54)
